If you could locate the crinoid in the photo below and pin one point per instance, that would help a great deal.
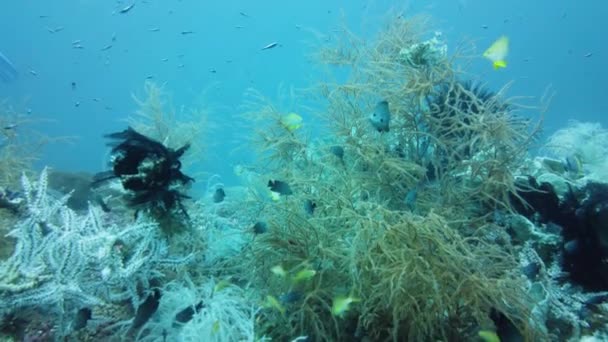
(147, 169)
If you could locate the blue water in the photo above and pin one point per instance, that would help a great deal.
(549, 44)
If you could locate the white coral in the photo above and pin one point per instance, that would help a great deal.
(64, 261)
(588, 142)
(226, 314)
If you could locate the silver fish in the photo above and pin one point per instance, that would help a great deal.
(270, 46)
(127, 8)
(54, 29)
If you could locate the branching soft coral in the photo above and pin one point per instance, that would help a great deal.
(276, 144)
(210, 311)
(157, 119)
(423, 281)
(378, 231)
(64, 261)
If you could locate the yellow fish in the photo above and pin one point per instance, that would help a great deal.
(216, 326)
(488, 336)
(497, 52)
(221, 285)
(304, 275)
(291, 121)
(279, 271)
(275, 196)
(273, 303)
(341, 304)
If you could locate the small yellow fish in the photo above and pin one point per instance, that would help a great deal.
(304, 275)
(291, 121)
(497, 52)
(222, 284)
(279, 271)
(275, 196)
(216, 326)
(273, 303)
(341, 304)
(488, 336)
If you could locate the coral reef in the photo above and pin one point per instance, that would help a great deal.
(64, 262)
(402, 220)
(415, 215)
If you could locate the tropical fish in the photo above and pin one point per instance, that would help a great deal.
(290, 297)
(222, 284)
(381, 117)
(216, 326)
(279, 187)
(574, 165)
(219, 195)
(488, 336)
(497, 52)
(82, 317)
(572, 247)
(55, 29)
(337, 151)
(185, 315)
(410, 199)
(257, 183)
(273, 303)
(309, 207)
(274, 196)
(127, 8)
(260, 227)
(304, 274)
(270, 46)
(279, 271)
(291, 121)
(342, 304)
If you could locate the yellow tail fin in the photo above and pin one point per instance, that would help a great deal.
(500, 64)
